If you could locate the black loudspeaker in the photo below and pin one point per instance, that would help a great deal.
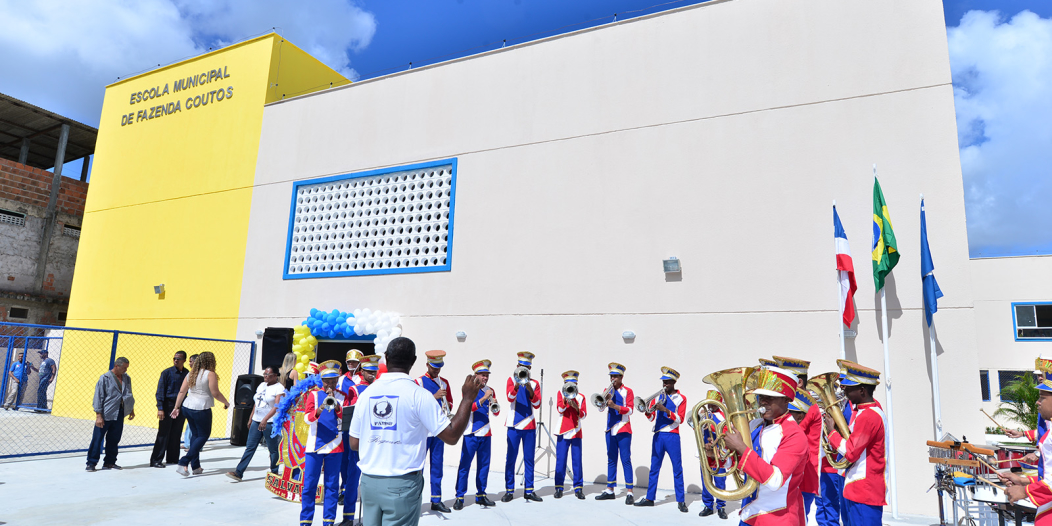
(277, 342)
(245, 389)
(239, 425)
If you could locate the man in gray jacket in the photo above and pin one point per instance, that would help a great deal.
(113, 399)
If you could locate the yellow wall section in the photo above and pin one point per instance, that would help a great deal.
(169, 203)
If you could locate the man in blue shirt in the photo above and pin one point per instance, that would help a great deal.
(48, 372)
(16, 373)
(166, 445)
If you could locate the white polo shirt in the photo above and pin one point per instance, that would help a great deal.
(392, 420)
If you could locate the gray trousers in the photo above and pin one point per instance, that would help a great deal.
(392, 501)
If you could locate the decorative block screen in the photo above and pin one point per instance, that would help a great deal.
(390, 221)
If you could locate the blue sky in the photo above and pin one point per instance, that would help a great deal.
(66, 52)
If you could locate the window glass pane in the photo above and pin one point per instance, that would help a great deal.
(984, 385)
(1006, 377)
(1024, 316)
(1044, 315)
(1034, 333)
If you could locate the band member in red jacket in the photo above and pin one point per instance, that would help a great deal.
(439, 388)
(778, 456)
(1037, 489)
(864, 487)
(620, 403)
(522, 429)
(667, 411)
(572, 411)
(811, 424)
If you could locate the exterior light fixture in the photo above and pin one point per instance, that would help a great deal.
(671, 265)
(628, 335)
(461, 335)
(850, 333)
(259, 333)
(158, 289)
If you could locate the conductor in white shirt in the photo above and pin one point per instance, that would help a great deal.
(389, 429)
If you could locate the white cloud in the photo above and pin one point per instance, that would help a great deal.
(1002, 74)
(60, 55)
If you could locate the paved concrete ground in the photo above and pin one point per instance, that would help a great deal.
(57, 491)
(25, 431)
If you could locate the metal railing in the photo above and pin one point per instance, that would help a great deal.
(50, 375)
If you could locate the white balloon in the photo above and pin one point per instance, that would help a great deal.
(365, 313)
(359, 330)
(396, 332)
(357, 313)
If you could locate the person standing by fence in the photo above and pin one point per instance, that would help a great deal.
(48, 373)
(17, 385)
(166, 445)
(266, 400)
(113, 399)
(187, 434)
(196, 397)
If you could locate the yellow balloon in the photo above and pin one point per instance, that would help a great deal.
(312, 341)
(303, 358)
(301, 367)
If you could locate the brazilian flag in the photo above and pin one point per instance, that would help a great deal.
(885, 249)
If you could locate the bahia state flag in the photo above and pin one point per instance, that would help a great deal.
(885, 249)
(845, 271)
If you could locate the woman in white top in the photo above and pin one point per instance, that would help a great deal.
(196, 397)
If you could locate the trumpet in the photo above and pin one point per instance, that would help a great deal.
(732, 384)
(329, 404)
(599, 400)
(824, 387)
(521, 375)
(569, 391)
(643, 403)
(494, 407)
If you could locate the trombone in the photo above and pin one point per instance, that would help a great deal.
(599, 400)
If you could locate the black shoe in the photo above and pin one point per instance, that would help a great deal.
(90, 469)
(533, 496)
(111, 466)
(507, 497)
(579, 494)
(558, 493)
(683, 507)
(156, 465)
(722, 513)
(644, 502)
(458, 504)
(705, 512)
(438, 506)
(347, 522)
(605, 496)
(484, 501)
(629, 499)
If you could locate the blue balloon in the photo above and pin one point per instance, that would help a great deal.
(325, 327)
(348, 331)
(330, 319)
(307, 322)
(335, 312)
(314, 324)
(341, 320)
(313, 312)
(321, 315)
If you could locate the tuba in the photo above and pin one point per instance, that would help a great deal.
(599, 400)
(824, 386)
(521, 375)
(732, 384)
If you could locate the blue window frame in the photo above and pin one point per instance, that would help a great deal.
(395, 220)
(1032, 320)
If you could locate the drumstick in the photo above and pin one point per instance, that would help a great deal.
(987, 464)
(999, 426)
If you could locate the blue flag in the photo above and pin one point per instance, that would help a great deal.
(932, 293)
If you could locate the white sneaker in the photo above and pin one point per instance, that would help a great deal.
(198, 471)
(182, 471)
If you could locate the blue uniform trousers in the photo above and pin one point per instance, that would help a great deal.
(314, 466)
(436, 448)
(619, 444)
(808, 499)
(707, 498)
(573, 447)
(528, 438)
(666, 443)
(474, 447)
(830, 487)
(858, 514)
(352, 475)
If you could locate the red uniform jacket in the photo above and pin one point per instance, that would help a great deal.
(811, 425)
(521, 414)
(777, 461)
(570, 423)
(864, 480)
(1038, 490)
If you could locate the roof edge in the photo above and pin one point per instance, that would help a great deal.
(271, 34)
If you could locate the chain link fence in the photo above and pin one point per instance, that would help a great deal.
(50, 375)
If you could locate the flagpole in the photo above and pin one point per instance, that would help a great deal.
(936, 397)
(840, 295)
(890, 424)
